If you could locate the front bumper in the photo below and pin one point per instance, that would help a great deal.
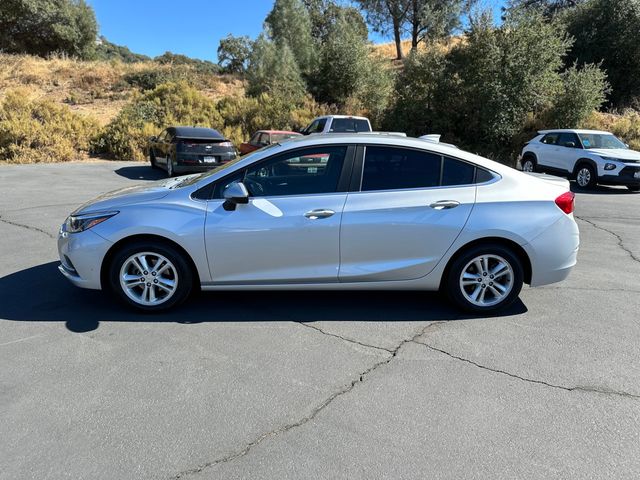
(81, 256)
(626, 176)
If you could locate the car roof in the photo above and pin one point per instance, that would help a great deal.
(342, 116)
(573, 130)
(196, 132)
(382, 140)
(286, 132)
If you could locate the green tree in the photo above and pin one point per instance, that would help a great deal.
(273, 69)
(349, 74)
(388, 16)
(583, 92)
(289, 24)
(42, 27)
(434, 19)
(491, 88)
(324, 13)
(606, 32)
(547, 7)
(233, 53)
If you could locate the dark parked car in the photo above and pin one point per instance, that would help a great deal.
(189, 150)
(262, 138)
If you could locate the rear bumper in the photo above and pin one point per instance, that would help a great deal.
(554, 252)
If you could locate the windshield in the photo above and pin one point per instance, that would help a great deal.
(193, 179)
(600, 140)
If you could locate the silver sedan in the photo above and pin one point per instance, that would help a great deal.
(329, 212)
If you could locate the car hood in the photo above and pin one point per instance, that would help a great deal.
(619, 153)
(127, 196)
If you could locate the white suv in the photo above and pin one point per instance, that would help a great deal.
(338, 124)
(589, 156)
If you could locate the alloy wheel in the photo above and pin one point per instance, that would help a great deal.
(527, 166)
(148, 278)
(486, 280)
(584, 177)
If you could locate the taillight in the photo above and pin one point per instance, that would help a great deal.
(566, 202)
(225, 144)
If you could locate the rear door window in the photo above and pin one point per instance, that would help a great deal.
(550, 139)
(392, 168)
(567, 139)
(455, 172)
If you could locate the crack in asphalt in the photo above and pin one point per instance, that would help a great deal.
(316, 410)
(530, 380)
(28, 227)
(349, 340)
(611, 232)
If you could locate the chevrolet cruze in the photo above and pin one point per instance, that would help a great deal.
(329, 212)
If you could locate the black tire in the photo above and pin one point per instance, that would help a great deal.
(586, 176)
(634, 188)
(454, 289)
(181, 274)
(531, 160)
(152, 159)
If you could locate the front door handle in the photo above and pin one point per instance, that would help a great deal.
(320, 213)
(444, 205)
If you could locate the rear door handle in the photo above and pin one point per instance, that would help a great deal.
(444, 204)
(320, 213)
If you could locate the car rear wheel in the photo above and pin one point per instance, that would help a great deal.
(528, 164)
(485, 279)
(150, 277)
(586, 176)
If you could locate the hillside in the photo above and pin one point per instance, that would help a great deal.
(99, 89)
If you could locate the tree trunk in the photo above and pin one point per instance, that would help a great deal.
(398, 39)
(415, 26)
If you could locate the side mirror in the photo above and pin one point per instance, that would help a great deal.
(235, 194)
(153, 138)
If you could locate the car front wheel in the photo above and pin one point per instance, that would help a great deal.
(150, 277)
(528, 165)
(485, 279)
(586, 176)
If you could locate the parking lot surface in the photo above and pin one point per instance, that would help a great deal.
(300, 385)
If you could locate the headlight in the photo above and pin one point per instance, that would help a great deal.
(610, 166)
(82, 222)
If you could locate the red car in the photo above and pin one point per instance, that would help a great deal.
(262, 138)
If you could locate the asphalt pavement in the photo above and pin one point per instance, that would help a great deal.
(312, 385)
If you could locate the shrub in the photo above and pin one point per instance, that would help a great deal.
(174, 103)
(148, 79)
(625, 126)
(34, 131)
(244, 115)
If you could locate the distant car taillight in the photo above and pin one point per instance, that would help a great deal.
(566, 202)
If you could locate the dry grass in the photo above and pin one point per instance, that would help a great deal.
(96, 89)
(388, 50)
